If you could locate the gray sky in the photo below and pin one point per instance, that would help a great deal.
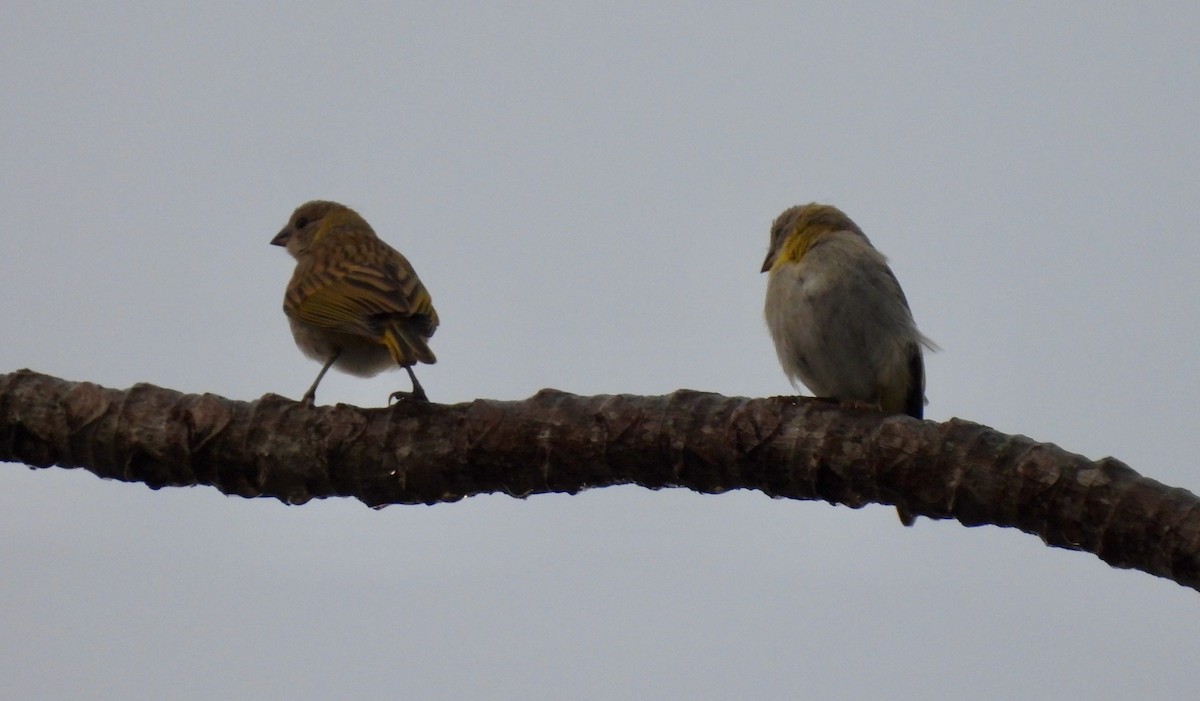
(587, 191)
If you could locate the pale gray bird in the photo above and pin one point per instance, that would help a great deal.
(839, 319)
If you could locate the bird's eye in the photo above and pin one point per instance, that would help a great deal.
(301, 222)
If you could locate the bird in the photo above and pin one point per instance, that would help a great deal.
(354, 302)
(838, 317)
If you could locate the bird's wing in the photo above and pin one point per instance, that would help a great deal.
(914, 399)
(358, 298)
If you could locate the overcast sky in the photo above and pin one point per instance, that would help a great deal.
(587, 193)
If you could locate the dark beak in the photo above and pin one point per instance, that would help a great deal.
(766, 263)
(281, 238)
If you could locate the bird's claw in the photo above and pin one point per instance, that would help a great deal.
(401, 397)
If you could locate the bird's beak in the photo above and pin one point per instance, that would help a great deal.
(281, 238)
(766, 263)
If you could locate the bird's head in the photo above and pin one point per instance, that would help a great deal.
(798, 228)
(312, 221)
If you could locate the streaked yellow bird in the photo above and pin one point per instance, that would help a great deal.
(354, 302)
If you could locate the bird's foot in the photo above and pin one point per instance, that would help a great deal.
(407, 397)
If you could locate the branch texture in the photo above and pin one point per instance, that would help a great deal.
(558, 442)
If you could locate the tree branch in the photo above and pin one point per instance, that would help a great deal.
(557, 442)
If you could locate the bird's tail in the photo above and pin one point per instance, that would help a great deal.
(406, 345)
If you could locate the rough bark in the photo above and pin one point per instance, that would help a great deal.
(785, 447)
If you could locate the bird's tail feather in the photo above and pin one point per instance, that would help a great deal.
(406, 346)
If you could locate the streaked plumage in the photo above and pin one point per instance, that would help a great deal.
(354, 302)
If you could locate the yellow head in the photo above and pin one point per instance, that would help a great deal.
(798, 228)
(312, 221)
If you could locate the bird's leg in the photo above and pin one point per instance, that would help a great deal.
(310, 397)
(417, 393)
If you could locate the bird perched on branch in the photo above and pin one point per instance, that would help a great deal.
(354, 302)
(838, 317)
